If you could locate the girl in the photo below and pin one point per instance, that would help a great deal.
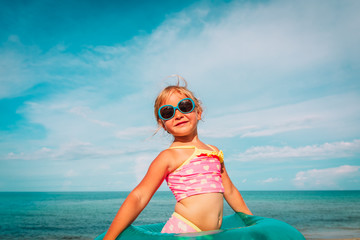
(194, 171)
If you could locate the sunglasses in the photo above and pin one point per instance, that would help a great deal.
(185, 105)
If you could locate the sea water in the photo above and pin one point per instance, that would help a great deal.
(84, 215)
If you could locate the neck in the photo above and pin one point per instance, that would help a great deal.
(192, 139)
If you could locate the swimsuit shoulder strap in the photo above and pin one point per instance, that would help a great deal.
(211, 147)
(183, 147)
(189, 158)
(192, 147)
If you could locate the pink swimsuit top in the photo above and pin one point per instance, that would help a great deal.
(200, 173)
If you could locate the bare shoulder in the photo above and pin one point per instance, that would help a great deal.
(214, 147)
(167, 153)
(174, 157)
(164, 156)
(167, 157)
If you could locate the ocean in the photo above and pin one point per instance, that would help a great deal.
(84, 215)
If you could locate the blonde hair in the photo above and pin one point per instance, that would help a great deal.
(169, 90)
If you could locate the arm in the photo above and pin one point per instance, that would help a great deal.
(232, 195)
(139, 197)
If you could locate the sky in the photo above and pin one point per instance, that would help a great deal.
(278, 80)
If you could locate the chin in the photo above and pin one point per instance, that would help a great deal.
(183, 133)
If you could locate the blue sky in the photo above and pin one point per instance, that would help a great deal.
(279, 81)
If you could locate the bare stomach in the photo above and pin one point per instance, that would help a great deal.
(203, 210)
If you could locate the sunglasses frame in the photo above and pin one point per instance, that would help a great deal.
(177, 107)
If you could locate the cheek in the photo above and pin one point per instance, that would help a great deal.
(194, 116)
(167, 124)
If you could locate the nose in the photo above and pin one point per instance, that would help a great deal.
(178, 114)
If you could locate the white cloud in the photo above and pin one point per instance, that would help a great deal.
(132, 132)
(324, 151)
(326, 178)
(228, 126)
(71, 173)
(69, 151)
(271, 180)
(84, 112)
(223, 130)
(104, 167)
(323, 114)
(233, 43)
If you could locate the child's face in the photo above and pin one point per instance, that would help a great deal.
(181, 124)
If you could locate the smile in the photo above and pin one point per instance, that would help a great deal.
(181, 123)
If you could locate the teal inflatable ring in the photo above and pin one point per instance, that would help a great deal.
(237, 226)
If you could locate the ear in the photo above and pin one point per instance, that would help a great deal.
(198, 115)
